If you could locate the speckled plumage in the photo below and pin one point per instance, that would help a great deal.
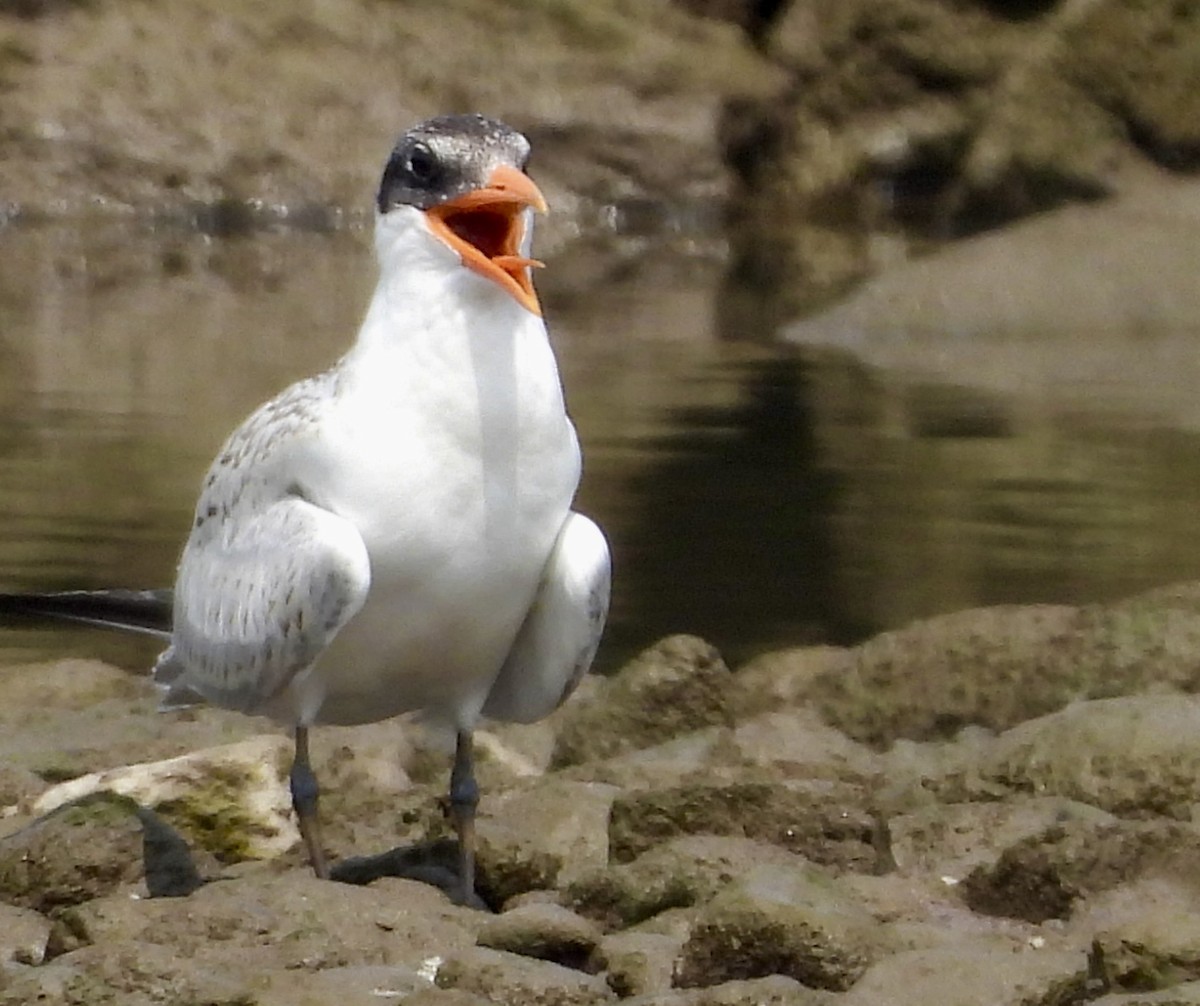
(395, 534)
(240, 635)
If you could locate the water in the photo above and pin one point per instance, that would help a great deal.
(758, 496)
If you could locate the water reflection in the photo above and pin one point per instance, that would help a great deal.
(729, 518)
(757, 496)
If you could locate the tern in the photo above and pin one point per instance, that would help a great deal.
(395, 535)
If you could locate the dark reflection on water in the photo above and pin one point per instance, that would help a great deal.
(728, 520)
(756, 496)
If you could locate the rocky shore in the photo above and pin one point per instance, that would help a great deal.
(994, 806)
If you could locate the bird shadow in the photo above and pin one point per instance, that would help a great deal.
(171, 872)
(434, 863)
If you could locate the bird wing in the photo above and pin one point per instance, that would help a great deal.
(256, 601)
(558, 639)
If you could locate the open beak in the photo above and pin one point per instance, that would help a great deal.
(486, 228)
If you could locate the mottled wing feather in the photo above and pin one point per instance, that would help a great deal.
(257, 605)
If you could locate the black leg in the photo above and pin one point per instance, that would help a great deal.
(464, 797)
(305, 793)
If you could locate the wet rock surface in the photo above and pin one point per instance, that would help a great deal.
(1040, 850)
(922, 120)
(265, 116)
(833, 135)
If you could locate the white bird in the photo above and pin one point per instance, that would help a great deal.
(395, 535)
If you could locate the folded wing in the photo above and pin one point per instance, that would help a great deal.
(558, 639)
(257, 600)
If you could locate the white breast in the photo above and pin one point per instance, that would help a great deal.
(452, 453)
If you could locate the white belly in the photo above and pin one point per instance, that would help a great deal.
(459, 488)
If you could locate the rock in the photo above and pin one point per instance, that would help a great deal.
(1132, 756)
(978, 971)
(24, 936)
(920, 912)
(232, 800)
(354, 985)
(1055, 861)
(796, 923)
(774, 990)
(830, 822)
(623, 108)
(88, 695)
(1041, 877)
(133, 974)
(1144, 937)
(1102, 269)
(38, 690)
(685, 871)
(638, 964)
(676, 687)
(445, 997)
(545, 931)
(999, 666)
(504, 977)
(924, 119)
(1186, 994)
(989, 666)
(783, 678)
(288, 921)
(548, 834)
(19, 787)
(74, 854)
(799, 744)
(710, 752)
(951, 840)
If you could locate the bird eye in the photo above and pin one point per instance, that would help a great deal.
(422, 165)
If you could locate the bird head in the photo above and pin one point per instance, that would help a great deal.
(466, 175)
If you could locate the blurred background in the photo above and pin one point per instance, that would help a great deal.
(866, 309)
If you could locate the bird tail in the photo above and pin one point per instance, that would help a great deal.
(142, 611)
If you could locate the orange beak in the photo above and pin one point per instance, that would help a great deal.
(485, 228)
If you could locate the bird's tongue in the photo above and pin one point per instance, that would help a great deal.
(493, 233)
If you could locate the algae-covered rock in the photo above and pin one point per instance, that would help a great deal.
(994, 667)
(637, 963)
(542, 836)
(685, 871)
(974, 971)
(679, 685)
(546, 931)
(995, 111)
(988, 666)
(1145, 936)
(828, 821)
(1137, 756)
(78, 852)
(774, 990)
(949, 840)
(797, 742)
(625, 97)
(795, 922)
(505, 977)
(232, 801)
(1041, 877)
(289, 920)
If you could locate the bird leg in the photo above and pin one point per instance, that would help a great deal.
(464, 797)
(305, 793)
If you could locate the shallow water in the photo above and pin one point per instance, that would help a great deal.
(755, 495)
